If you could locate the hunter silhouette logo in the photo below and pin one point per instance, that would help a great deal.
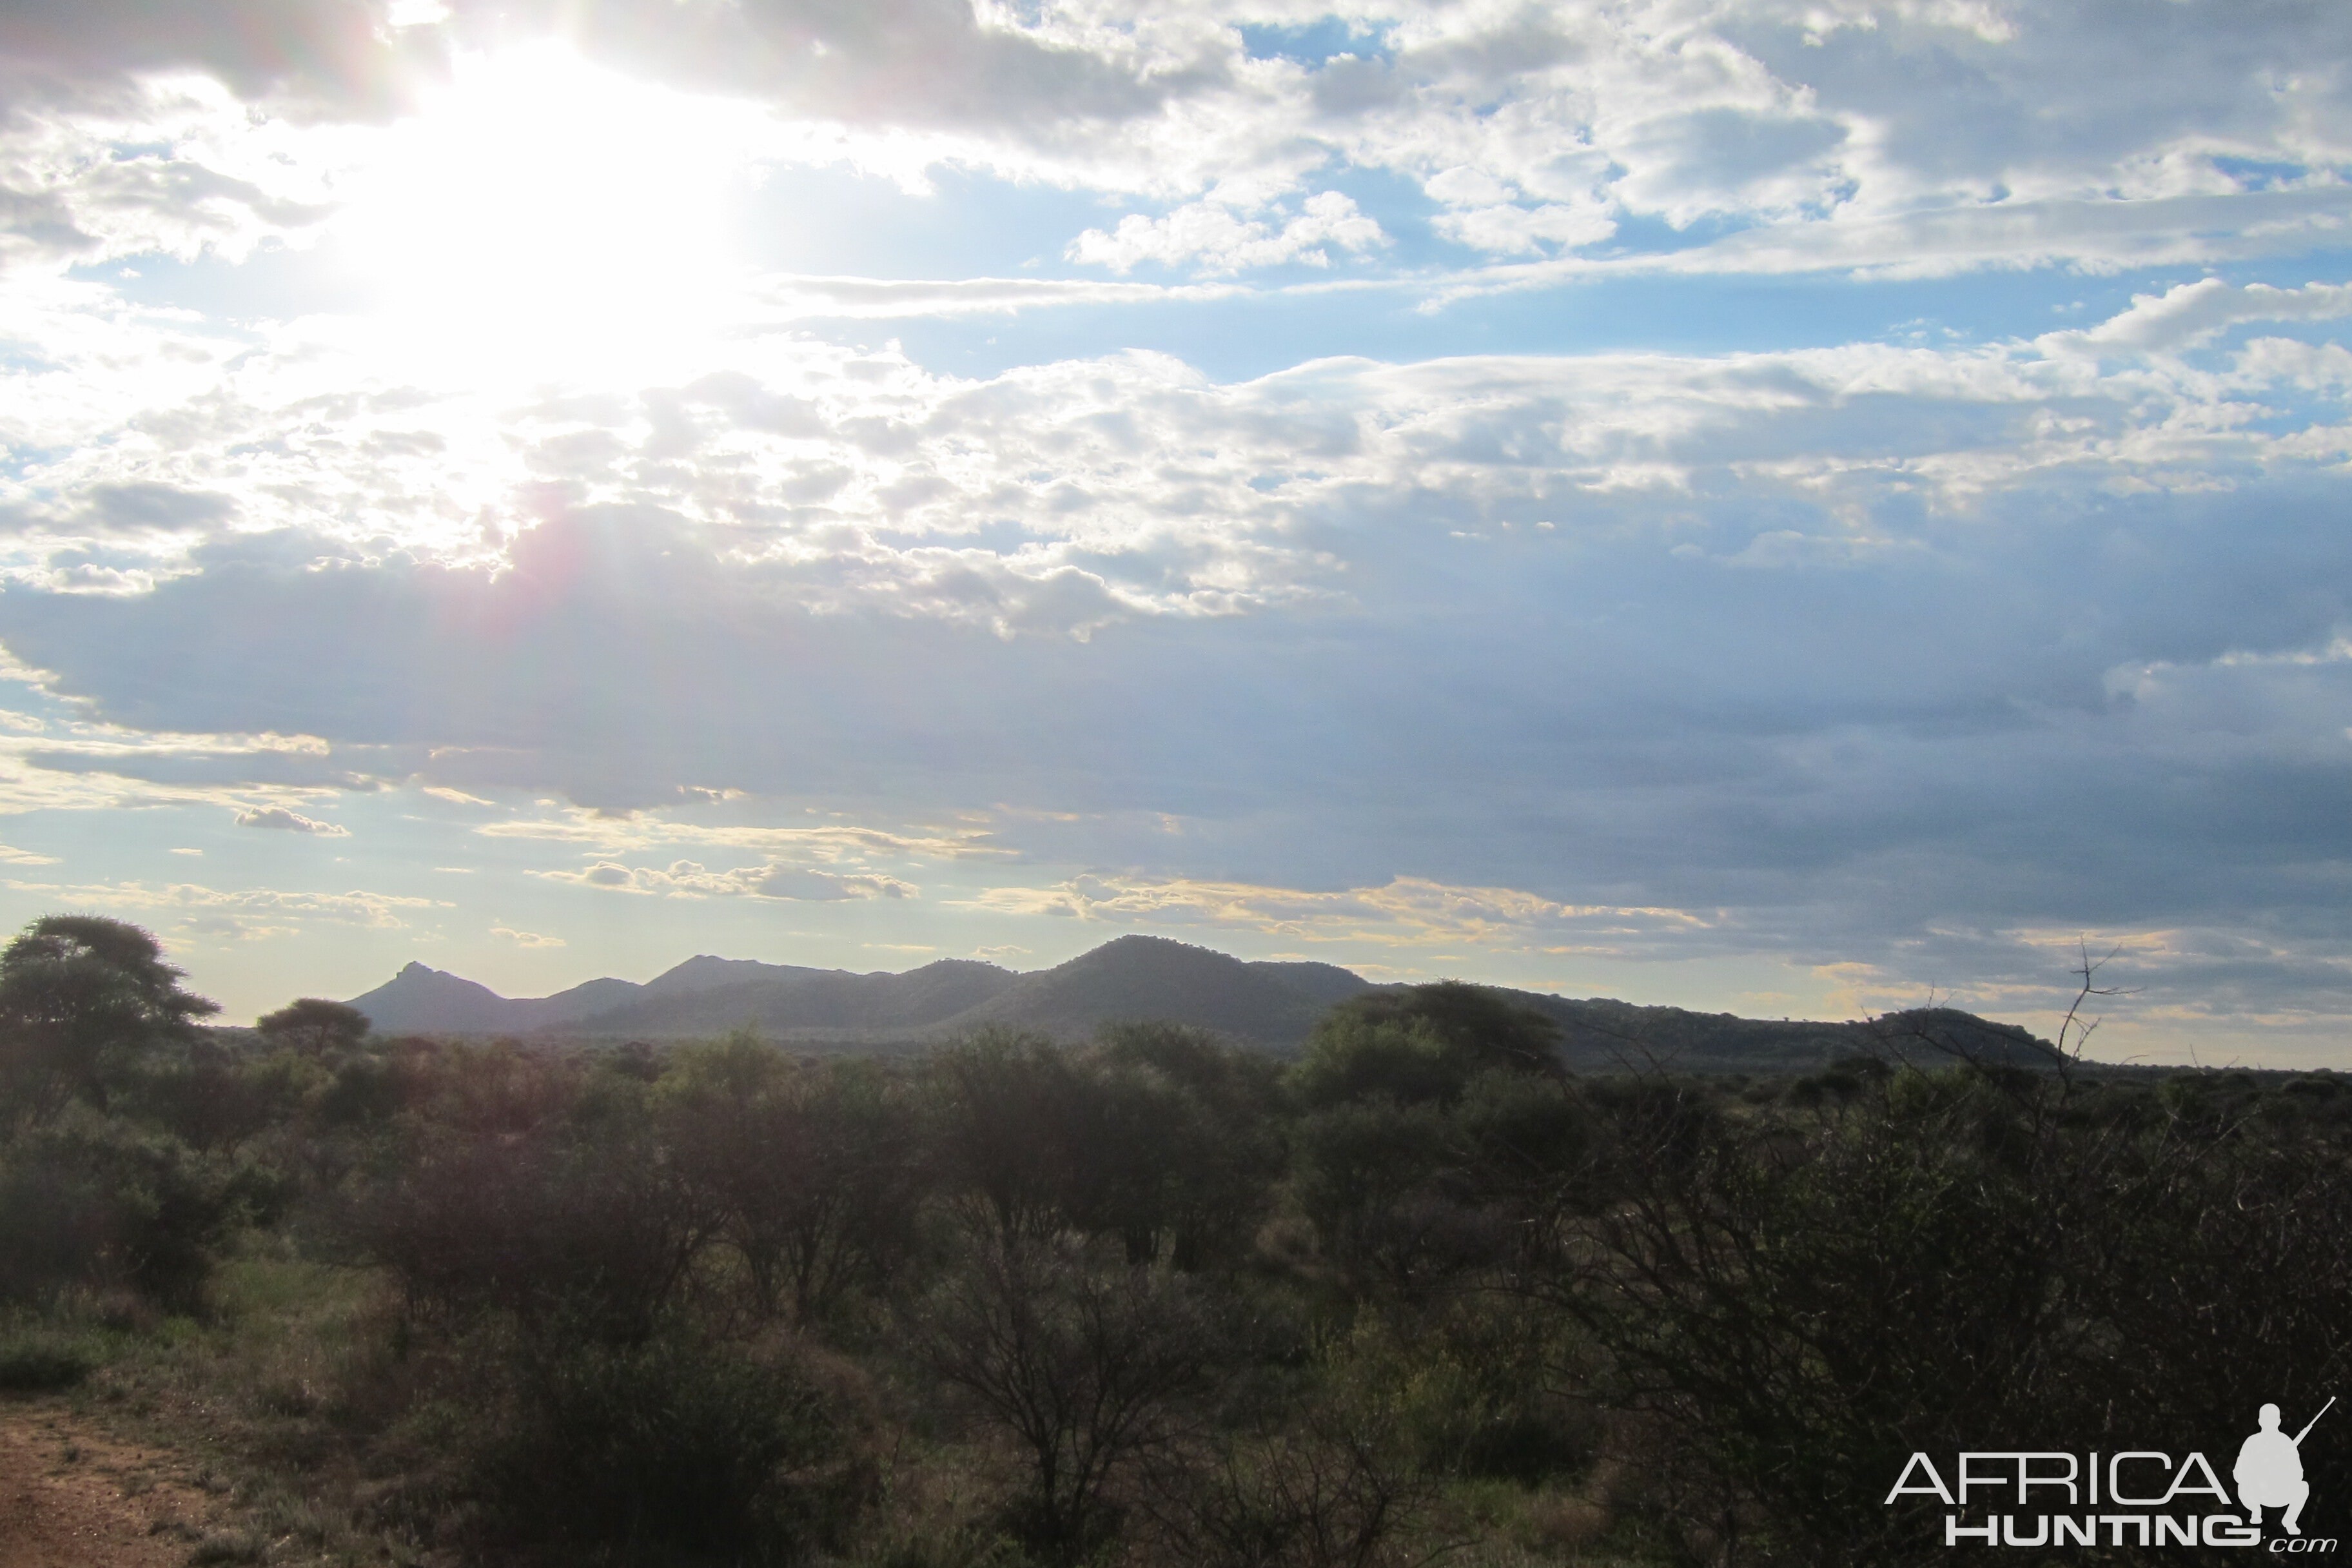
(2137, 1496)
(2270, 1470)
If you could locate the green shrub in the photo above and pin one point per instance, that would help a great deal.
(36, 1359)
(680, 1443)
(597, 1234)
(92, 1202)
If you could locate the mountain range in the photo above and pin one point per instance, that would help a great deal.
(1272, 1004)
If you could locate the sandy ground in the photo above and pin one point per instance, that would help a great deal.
(71, 1497)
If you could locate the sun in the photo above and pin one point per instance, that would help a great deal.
(541, 216)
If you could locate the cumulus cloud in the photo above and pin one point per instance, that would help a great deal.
(1108, 489)
(1220, 240)
(170, 164)
(1841, 134)
(525, 938)
(284, 821)
(1876, 658)
(1506, 229)
(2191, 314)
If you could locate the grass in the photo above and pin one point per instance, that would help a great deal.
(289, 1396)
(38, 1359)
(272, 1397)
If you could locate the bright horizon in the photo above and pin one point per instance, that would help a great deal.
(1771, 508)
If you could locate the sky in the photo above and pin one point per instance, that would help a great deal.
(1798, 508)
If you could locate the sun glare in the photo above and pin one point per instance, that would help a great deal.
(543, 217)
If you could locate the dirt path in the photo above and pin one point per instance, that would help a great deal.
(72, 1497)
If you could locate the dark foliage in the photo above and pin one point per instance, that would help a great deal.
(83, 1001)
(313, 1026)
(677, 1444)
(1159, 1300)
(812, 1175)
(1086, 1364)
(93, 1204)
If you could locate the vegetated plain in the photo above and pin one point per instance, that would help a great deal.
(1419, 1290)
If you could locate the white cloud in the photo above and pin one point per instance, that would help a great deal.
(1504, 229)
(691, 880)
(1860, 654)
(525, 938)
(1913, 138)
(1114, 488)
(382, 911)
(830, 842)
(1218, 239)
(1409, 912)
(2190, 314)
(172, 165)
(285, 821)
(782, 298)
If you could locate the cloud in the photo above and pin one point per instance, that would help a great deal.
(1883, 660)
(1407, 911)
(1506, 229)
(331, 49)
(800, 883)
(156, 507)
(98, 164)
(784, 298)
(1924, 139)
(617, 833)
(2191, 314)
(1219, 240)
(285, 821)
(690, 880)
(245, 911)
(525, 938)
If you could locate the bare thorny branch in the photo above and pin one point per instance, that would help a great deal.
(2072, 1025)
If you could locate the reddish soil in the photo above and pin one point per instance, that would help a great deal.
(72, 1497)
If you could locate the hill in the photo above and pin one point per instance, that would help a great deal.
(1274, 1004)
(1599, 1034)
(1152, 977)
(1132, 977)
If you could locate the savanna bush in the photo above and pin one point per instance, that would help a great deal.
(681, 1443)
(93, 1203)
(595, 1232)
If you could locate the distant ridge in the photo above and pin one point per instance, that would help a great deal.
(1132, 977)
(1275, 1005)
(1152, 977)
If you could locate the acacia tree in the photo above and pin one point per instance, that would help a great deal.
(813, 1171)
(313, 1026)
(83, 1001)
(1088, 1365)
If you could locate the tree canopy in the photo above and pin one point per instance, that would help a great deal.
(83, 1000)
(314, 1026)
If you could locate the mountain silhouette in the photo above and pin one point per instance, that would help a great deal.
(1269, 1004)
(1151, 977)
